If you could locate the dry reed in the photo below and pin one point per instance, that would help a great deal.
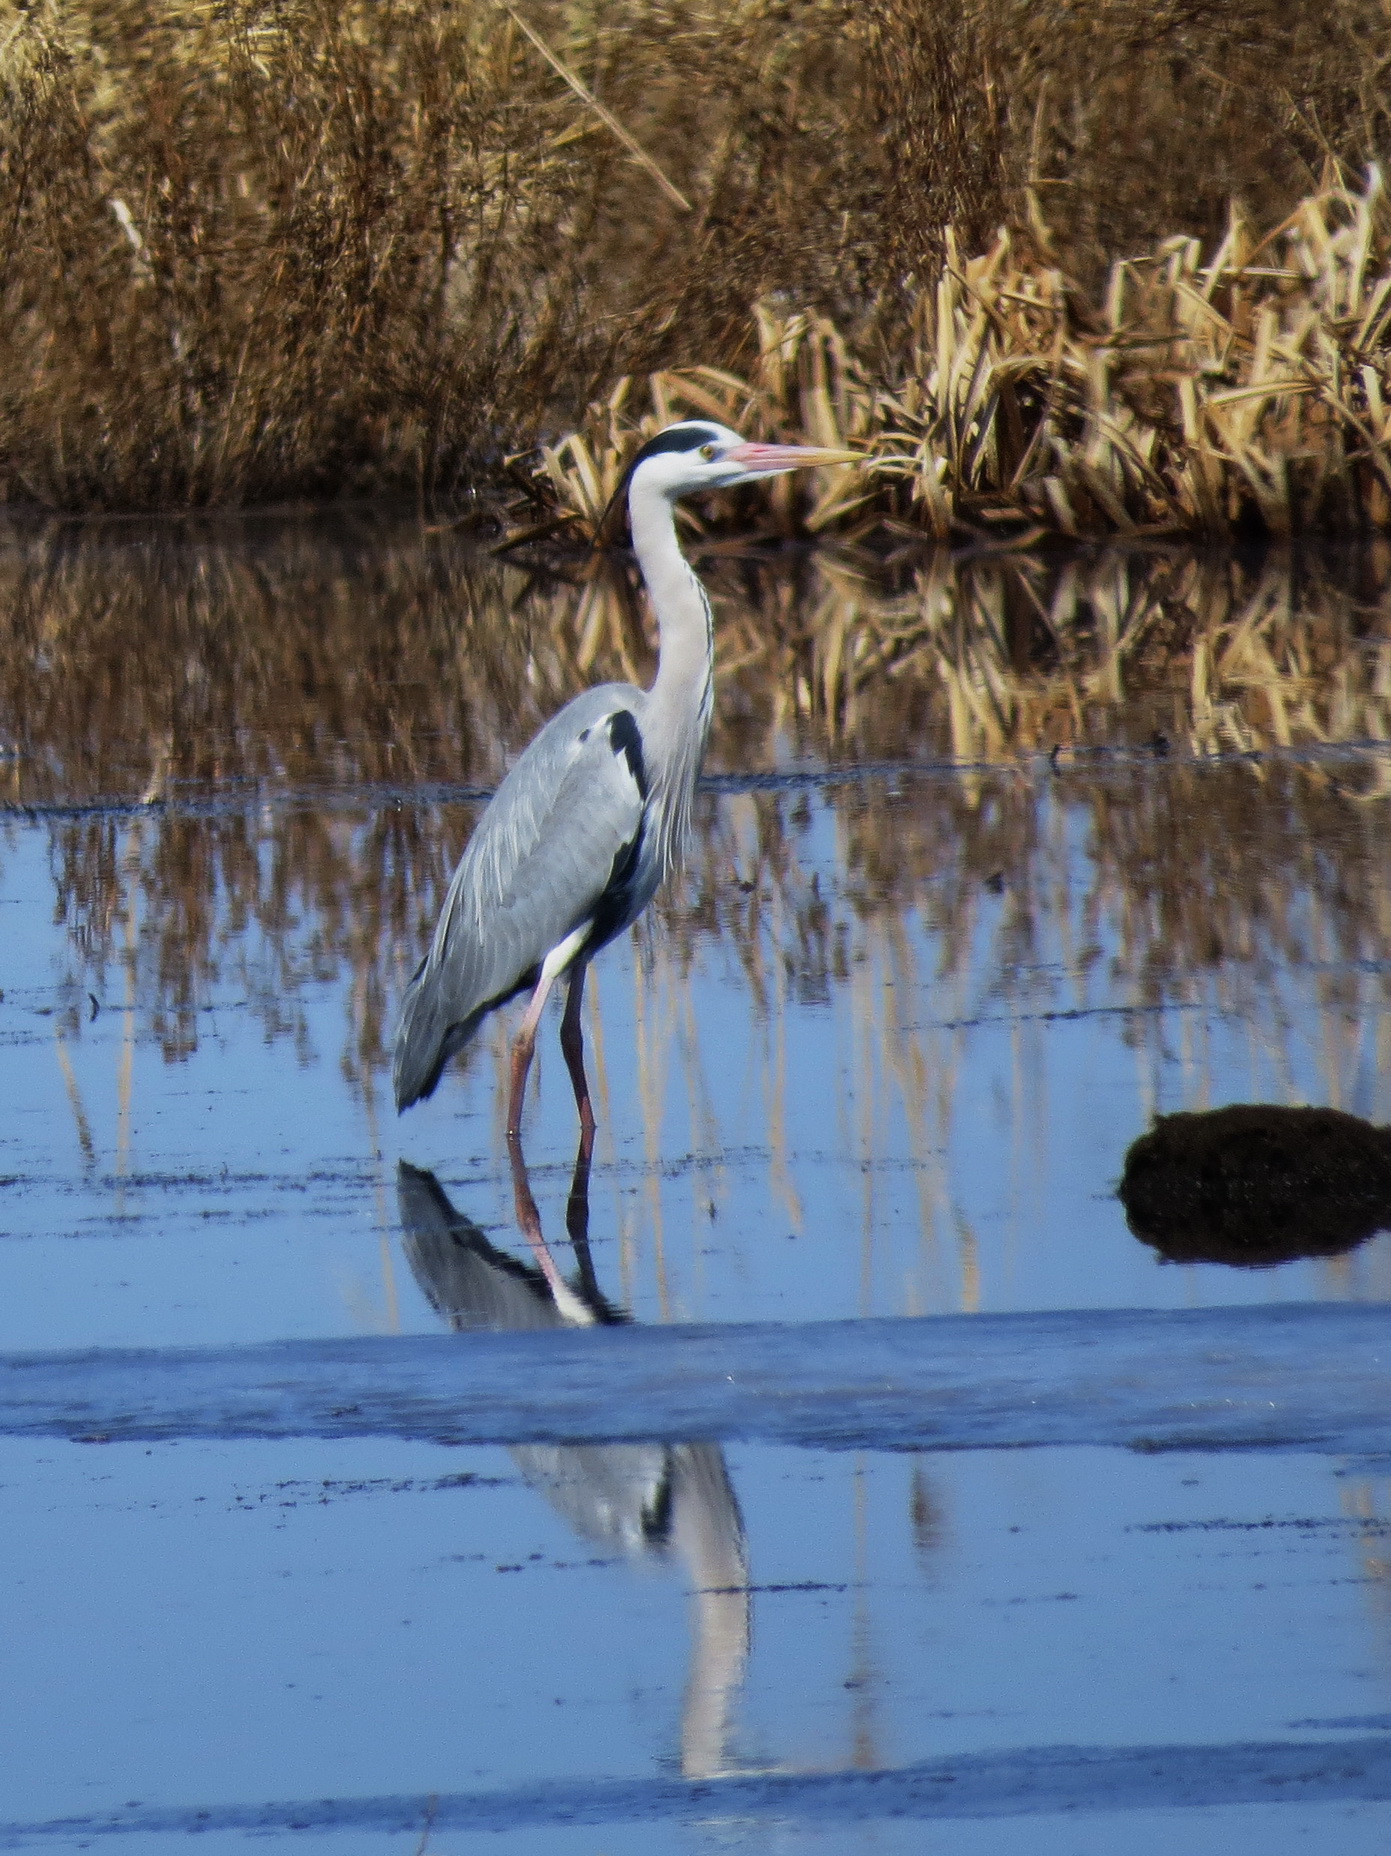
(286, 248)
(1245, 393)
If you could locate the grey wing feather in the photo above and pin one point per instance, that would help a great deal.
(535, 868)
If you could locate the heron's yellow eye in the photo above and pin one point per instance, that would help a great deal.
(707, 452)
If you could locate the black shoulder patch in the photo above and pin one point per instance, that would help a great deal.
(625, 739)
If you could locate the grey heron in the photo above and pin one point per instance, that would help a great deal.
(594, 815)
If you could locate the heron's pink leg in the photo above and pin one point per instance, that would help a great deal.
(529, 1219)
(523, 1046)
(572, 1043)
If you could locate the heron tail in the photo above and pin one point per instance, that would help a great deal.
(426, 1038)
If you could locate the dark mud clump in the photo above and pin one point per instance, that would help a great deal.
(1253, 1185)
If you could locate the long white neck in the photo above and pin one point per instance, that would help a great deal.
(677, 719)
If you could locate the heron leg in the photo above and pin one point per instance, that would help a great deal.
(572, 1043)
(523, 1046)
(552, 967)
(529, 1219)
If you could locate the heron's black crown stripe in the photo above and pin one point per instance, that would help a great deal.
(624, 739)
(688, 436)
(676, 438)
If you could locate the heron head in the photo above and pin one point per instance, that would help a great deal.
(699, 454)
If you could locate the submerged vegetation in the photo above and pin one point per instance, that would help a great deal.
(1088, 265)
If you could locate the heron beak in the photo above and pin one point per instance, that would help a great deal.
(767, 459)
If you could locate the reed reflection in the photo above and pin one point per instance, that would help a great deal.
(144, 662)
(654, 1499)
(298, 721)
(255, 751)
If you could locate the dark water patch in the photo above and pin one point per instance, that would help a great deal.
(1347, 1723)
(1256, 1184)
(1368, 1525)
(1032, 1781)
(1306, 1378)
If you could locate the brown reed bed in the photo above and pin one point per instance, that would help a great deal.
(269, 249)
(1246, 393)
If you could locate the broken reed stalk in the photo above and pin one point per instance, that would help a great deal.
(1248, 393)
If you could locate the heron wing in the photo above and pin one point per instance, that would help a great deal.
(545, 851)
(556, 838)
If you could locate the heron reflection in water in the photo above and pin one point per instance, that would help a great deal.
(640, 1499)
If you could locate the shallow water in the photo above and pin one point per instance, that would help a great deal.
(882, 1053)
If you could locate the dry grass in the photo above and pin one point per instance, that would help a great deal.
(256, 250)
(1245, 393)
(262, 249)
